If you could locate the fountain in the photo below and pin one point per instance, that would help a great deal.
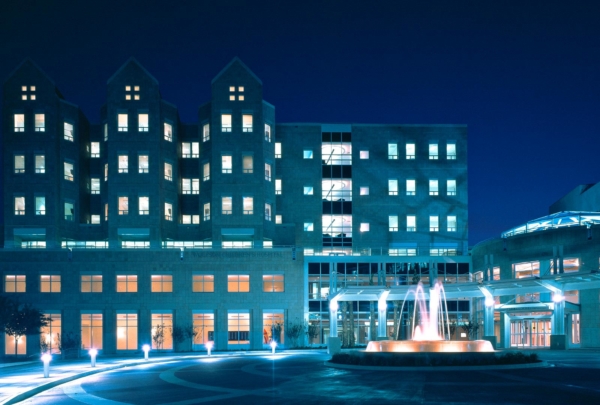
(429, 335)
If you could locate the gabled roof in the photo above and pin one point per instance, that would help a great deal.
(129, 61)
(28, 60)
(236, 60)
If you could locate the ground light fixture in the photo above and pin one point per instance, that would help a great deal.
(146, 349)
(209, 346)
(46, 359)
(273, 346)
(93, 353)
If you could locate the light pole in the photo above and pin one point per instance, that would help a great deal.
(273, 346)
(93, 353)
(209, 346)
(146, 349)
(46, 359)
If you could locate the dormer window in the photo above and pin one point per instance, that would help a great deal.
(132, 92)
(27, 93)
(233, 93)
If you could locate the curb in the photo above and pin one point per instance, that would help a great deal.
(440, 368)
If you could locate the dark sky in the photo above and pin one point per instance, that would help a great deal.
(523, 75)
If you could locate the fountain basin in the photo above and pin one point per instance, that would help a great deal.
(430, 346)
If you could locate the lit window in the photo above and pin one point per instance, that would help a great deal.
(136, 88)
(69, 211)
(127, 328)
(206, 216)
(451, 151)
(248, 163)
(248, 203)
(273, 283)
(68, 167)
(267, 211)
(40, 123)
(105, 132)
(19, 163)
(231, 88)
(95, 219)
(19, 205)
(232, 97)
(308, 190)
(393, 223)
(451, 187)
(205, 132)
(68, 130)
(50, 283)
(143, 122)
(267, 172)
(91, 331)
(238, 283)
(226, 164)
(190, 186)
(161, 283)
(190, 219)
(364, 191)
(142, 163)
(411, 187)
(364, 227)
(241, 89)
(123, 205)
(278, 219)
(277, 150)
(496, 273)
(91, 283)
(267, 133)
(168, 132)
(40, 164)
(411, 223)
(309, 227)
(203, 283)
(106, 172)
(433, 151)
(392, 151)
(451, 223)
(278, 186)
(95, 186)
(123, 163)
(410, 151)
(434, 223)
(364, 154)
(527, 269)
(206, 171)
(40, 205)
(127, 283)
(168, 171)
(308, 154)
(241, 97)
(226, 122)
(122, 122)
(106, 212)
(19, 123)
(95, 149)
(434, 187)
(168, 211)
(190, 150)
(393, 187)
(144, 205)
(247, 123)
(14, 283)
(226, 205)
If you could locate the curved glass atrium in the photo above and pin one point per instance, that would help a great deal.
(557, 220)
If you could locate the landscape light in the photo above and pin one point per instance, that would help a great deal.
(146, 349)
(46, 359)
(93, 353)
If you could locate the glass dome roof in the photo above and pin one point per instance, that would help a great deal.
(557, 220)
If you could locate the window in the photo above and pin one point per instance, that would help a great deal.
(451, 151)
(364, 154)
(205, 324)
(122, 122)
(434, 223)
(267, 211)
(190, 219)
(95, 220)
(19, 205)
(273, 283)
(143, 123)
(247, 123)
(190, 186)
(226, 205)
(496, 273)
(277, 150)
(40, 164)
(168, 171)
(248, 205)
(203, 283)
(106, 172)
(226, 164)
(411, 223)
(40, 122)
(168, 132)
(393, 223)
(123, 163)
(91, 283)
(206, 132)
(127, 283)
(68, 132)
(91, 331)
(106, 212)
(40, 205)
(308, 190)
(206, 172)
(309, 227)
(51, 332)
(392, 151)
(278, 186)
(526, 269)
(19, 120)
(248, 163)
(69, 211)
(105, 132)
(143, 164)
(278, 219)
(410, 151)
(190, 150)
(451, 187)
(14, 283)
(225, 122)
(19, 163)
(168, 211)
(365, 227)
(267, 133)
(364, 191)
(95, 149)
(433, 151)
(434, 187)
(308, 154)
(267, 172)
(144, 205)
(393, 187)
(68, 167)
(127, 331)
(95, 186)
(411, 187)
(451, 223)
(238, 283)
(161, 283)
(123, 205)
(206, 216)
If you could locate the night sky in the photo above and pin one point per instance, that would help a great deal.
(523, 75)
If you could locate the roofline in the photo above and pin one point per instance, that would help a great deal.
(134, 60)
(28, 59)
(371, 125)
(235, 59)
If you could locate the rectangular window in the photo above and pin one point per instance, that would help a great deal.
(95, 149)
(307, 154)
(206, 216)
(69, 211)
(225, 122)
(364, 191)
(434, 223)
(123, 163)
(95, 186)
(95, 220)
(451, 187)
(162, 283)
(451, 223)
(365, 227)
(278, 219)
(393, 187)
(106, 212)
(238, 328)
(267, 172)
(411, 187)
(410, 151)
(226, 205)
(162, 325)
(91, 283)
(144, 205)
(122, 122)
(40, 205)
(267, 211)
(496, 273)
(19, 121)
(168, 211)
(190, 219)
(127, 283)
(168, 132)
(393, 223)
(273, 283)
(142, 122)
(364, 154)
(205, 133)
(40, 164)
(190, 150)
(68, 168)
(40, 123)
(433, 151)
(105, 132)
(14, 283)
(411, 223)
(68, 132)
(248, 203)
(168, 171)
(19, 164)
(206, 171)
(123, 205)
(127, 331)
(143, 164)
(204, 323)
(238, 283)
(106, 172)
(203, 283)
(277, 186)
(247, 123)
(434, 187)
(91, 331)
(308, 190)
(226, 164)
(267, 133)
(451, 151)
(309, 227)
(19, 205)
(527, 269)
(277, 150)
(51, 333)
(248, 163)
(392, 151)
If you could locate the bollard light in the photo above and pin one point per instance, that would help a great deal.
(209, 346)
(93, 353)
(273, 346)
(146, 349)
(46, 359)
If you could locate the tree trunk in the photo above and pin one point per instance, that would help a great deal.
(351, 324)
(372, 331)
(344, 325)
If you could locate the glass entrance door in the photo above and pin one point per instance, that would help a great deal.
(530, 333)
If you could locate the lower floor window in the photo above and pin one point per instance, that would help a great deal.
(50, 334)
(273, 328)
(15, 345)
(238, 328)
(204, 328)
(127, 331)
(162, 328)
(91, 331)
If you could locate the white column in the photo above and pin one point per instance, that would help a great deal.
(333, 308)
(488, 318)
(558, 316)
(382, 316)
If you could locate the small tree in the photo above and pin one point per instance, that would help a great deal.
(452, 326)
(6, 311)
(158, 337)
(68, 342)
(313, 332)
(190, 332)
(24, 320)
(276, 328)
(178, 334)
(294, 331)
(470, 328)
